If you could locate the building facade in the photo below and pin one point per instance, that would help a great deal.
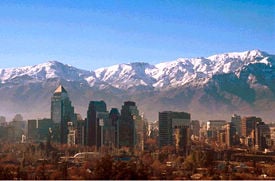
(114, 118)
(129, 127)
(96, 116)
(262, 136)
(62, 112)
(236, 121)
(174, 129)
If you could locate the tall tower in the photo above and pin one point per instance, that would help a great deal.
(237, 123)
(96, 114)
(114, 117)
(128, 128)
(62, 112)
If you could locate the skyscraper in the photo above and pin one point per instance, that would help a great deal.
(262, 136)
(174, 129)
(96, 115)
(236, 122)
(114, 117)
(81, 130)
(129, 125)
(195, 128)
(62, 112)
(249, 125)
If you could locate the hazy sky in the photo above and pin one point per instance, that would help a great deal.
(90, 34)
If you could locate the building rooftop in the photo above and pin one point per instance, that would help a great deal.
(60, 89)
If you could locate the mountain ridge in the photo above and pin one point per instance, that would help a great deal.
(228, 83)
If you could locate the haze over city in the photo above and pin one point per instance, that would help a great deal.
(137, 90)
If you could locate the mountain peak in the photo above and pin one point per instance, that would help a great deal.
(167, 74)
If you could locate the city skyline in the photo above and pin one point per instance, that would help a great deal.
(94, 34)
(174, 79)
(137, 90)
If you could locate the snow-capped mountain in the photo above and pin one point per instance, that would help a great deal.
(180, 72)
(232, 82)
(124, 76)
(41, 72)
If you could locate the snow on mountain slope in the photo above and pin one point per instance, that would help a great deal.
(126, 75)
(183, 71)
(232, 62)
(48, 70)
(180, 72)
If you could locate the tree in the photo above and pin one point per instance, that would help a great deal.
(103, 169)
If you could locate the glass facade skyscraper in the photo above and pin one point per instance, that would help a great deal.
(129, 129)
(97, 111)
(62, 112)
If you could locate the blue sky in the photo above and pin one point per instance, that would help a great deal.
(90, 34)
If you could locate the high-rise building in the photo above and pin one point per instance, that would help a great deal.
(262, 136)
(195, 128)
(96, 116)
(236, 121)
(81, 130)
(174, 129)
(43, 129)
(32, 130)
(62, 112)
(3, 121)
(71, 134)
(249, 125)
(230, 133)
(18, 128)
(114, 117)
(129, 127)
(213, 127)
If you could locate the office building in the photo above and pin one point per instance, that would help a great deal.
(32, 130)
(96, 116)
(17, 129)
(71, 134)
(62, 112)
(262, 136)
(236, 121)
(43, 129)
(80, 130)
(230, 134)
(195, 128)
(129, 128)
(3, 121)
(114, 117)
(174, 129)
(249, 125)
(213, 127)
